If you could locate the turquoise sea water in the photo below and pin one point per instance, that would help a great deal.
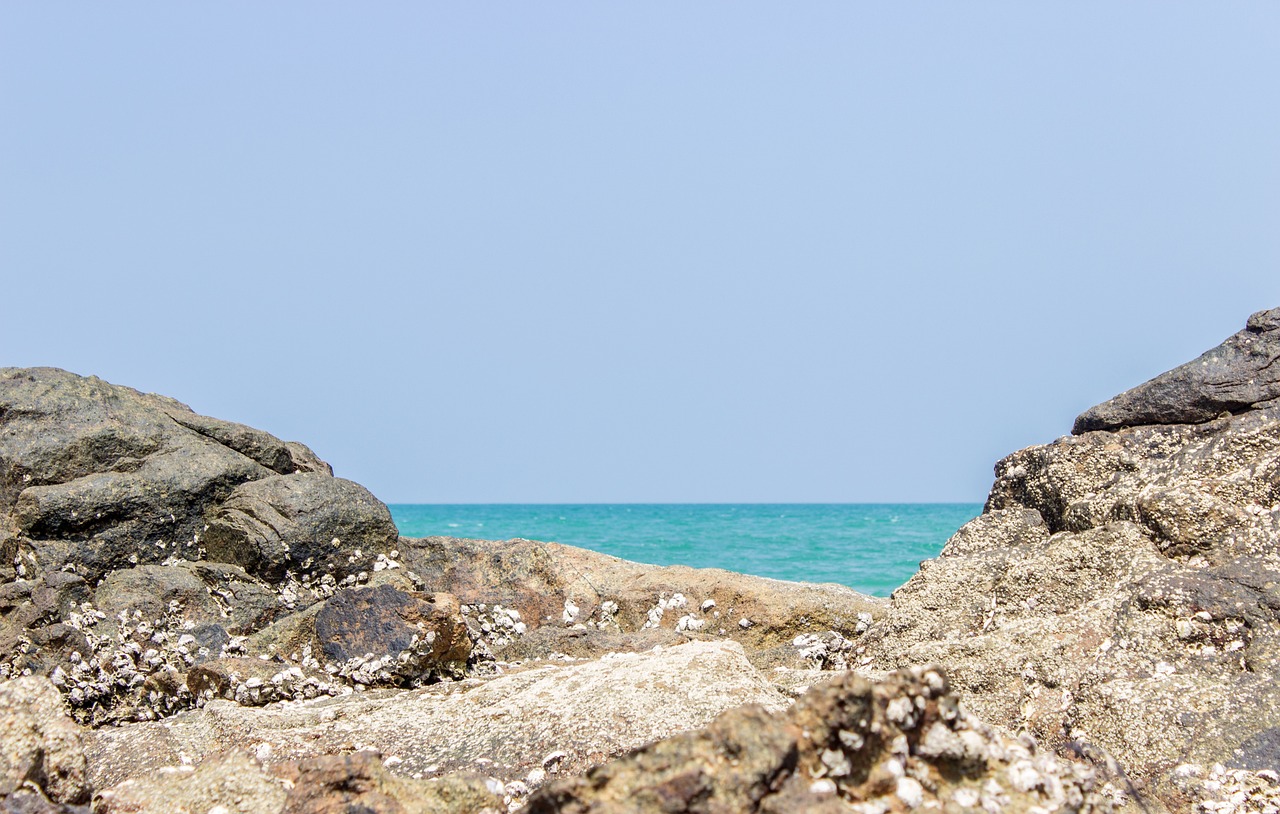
(871, 547)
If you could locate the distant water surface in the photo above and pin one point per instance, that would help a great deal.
(871, 547)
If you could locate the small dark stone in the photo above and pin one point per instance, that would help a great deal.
(386, 621)
(1262, 751)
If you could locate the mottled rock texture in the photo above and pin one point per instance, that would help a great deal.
(1239, 374)
(355, 783)
(359, 782)
(139, 539)
(308, 523)
(42, 762)
(1119, 596)
(849, 745)
(421, 632)
(507, 726)
(548, 585)
(232, 781)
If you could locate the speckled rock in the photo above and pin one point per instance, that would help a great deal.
(1120, 596)
(849, 745)
(548, 584)
(42, 759)
(232, 782)
(139, 539)
(309, 523)
(416, 635)
(580, 714)
(360, 782)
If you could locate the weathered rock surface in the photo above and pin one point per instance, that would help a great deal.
(42, 761)
(100, 477)
(580, 715)
(235, 781)
(847, 746)
(139, 539)
(420, 634)
(1239, 374)
(310, 523)
(359, 782)
(513, 587)
(231, 781)
(1119, 596)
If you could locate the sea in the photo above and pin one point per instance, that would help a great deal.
(870, 547)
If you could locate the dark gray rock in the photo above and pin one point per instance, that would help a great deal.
(306, 523)
(412, 635)
(1238, 374)
(192, 594)
(102, 477)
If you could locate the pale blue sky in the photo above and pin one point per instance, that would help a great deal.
(710, 251)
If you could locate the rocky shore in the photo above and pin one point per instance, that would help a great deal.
(196, 616)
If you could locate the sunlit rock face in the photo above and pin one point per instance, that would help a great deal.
(1118, 596)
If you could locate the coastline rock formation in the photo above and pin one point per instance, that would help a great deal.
(849, 745)
(197, 615)
(160, 565)
(1118, 598)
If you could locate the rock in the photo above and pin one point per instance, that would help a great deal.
(541, 582)
(338, 784)
(308, 523)
(901, 744)
(584, 643)
(106, 583)
(205, 593)
(255, 682)
(41, 748)
(1118, 598)
(1237, 375)
(413, 635)
(503, 727)
(101, 477)
(226, 782)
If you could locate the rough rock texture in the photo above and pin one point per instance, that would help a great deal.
(310, 523)
(422, 634)
(1237, 375)
(359, 782)
(1120, 596)
(846, 746)
(505, 726)
(139, 539)
(41, 748)
(232, 781)
(516, 586)
(235, 781)
(101, 477)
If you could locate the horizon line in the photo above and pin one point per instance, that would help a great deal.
(698, 503)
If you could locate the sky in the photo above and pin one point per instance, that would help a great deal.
(638, 252)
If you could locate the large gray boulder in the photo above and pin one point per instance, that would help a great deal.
(139, 539)
(96, 477)
(1242, 372)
